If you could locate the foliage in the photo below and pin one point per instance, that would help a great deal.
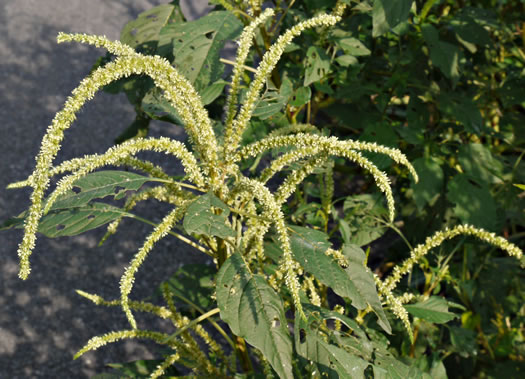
(293, 231)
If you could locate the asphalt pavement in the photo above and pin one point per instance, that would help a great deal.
(43, 322)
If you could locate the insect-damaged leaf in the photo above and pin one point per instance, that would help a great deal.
(98, 185)
(201, 219)
(254, 311)
(196, 46)
(354, 281)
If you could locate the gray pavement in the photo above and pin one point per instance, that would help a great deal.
(43, 322)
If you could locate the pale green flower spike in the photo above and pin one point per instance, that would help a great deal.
(160, 231)
(159, 371)
(268, 63)
(177, 90)
(245, 43)
(396, 306)
(437, 239)
(141, 306)
(116, 153)
(273, 212)
(302, 140)
(99, 341)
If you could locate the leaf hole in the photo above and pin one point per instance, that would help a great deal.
(133, 31)
(209, 35)
(61, 227)
(276, 323)
(118, 189)
(90, 217)
(180, 40)
(76, 189)
(302, 335)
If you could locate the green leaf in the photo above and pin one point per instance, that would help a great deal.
(354, 282)
(477, 161)
(157, 107)
(387, 366)
(73, 221)
(463, 341)
(193, 283)
(443, 55)
(430, 182)
(352, 46)
(520, 186)
(213, 91)
(143, 33)
(362, 213)
(317, 65)
(99, 185)
(254, 311)
(434, 309)
(474, 203)
(301, 96)
(197, 44)
(387, 14)
(364, 282)
(273, 101)
(463, 109)
(201, 219)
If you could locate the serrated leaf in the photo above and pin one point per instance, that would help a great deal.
(143, 32)
(201, 219)
(387, 14)
(197, 44)
(254, 311)
(99, 185)
(434, 309)
(309, 247)
(317, 65)
(473, 202)
(430, 183)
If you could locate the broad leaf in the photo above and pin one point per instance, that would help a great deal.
(388, 367)
(387, 14)
(193, 283)
(155, 105)
(434, 309)
(73, 221)
(477, 161)
(197, 44)
(361, 214)
(273, 101)
(254, 311)
(443, 55)
(364, 282)
(353, 47)
(317, 65)
(354, 282)
(301, 96)
(98, 185)
(143, 32)
(201, 219)
(430, 183)
(473, 202)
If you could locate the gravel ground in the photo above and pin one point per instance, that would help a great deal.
(43, 322)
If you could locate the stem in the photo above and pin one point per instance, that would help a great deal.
(192, 323)
(246, 362)
(175, 234)
(232, 63)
